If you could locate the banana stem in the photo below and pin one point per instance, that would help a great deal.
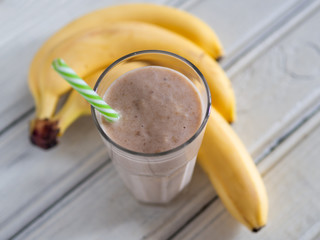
(48, 104)
(70, 111)
(35, 93)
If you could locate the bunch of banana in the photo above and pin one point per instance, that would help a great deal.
(97, 48)
(169, 18)
(92, 42)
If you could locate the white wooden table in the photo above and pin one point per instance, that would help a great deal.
(73, 192)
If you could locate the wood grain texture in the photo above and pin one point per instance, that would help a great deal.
(236, 22)
(267, 94)
(29, 24)
(291, 174)
(32, 179)
(275, 77)
(109, 211)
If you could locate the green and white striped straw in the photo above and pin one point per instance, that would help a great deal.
(85, 90)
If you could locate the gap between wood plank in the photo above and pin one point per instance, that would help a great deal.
(290, 130)
(249, 44)
(302, 131)
(65, 195)
(233, 66)
(203, 209)
(17, 120)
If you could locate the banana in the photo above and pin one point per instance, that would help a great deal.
(99, 47)
(233, 173)
(170, 18)
(167, 17)
(46, 132)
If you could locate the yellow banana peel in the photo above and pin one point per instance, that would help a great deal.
(99, 47)
(233, 173)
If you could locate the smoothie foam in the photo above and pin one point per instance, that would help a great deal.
(159, 107)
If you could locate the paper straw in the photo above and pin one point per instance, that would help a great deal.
(84, 89)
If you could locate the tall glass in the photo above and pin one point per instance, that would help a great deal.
(155, 177)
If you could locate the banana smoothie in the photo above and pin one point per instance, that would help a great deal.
(164, 104)
(160, 110)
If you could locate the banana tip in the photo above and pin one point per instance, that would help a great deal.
(257, 229)
(219, 59)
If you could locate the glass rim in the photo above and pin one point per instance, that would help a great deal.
(176, 149)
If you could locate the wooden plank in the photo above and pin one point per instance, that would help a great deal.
(33, 179)
(29, 24)
(259, 113)
(237, 23)
(275, 72)
(110, 212)
(291, 174)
